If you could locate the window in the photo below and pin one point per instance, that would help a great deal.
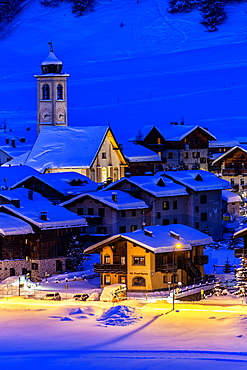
(158, 215)
(175, 220)
(104, 174)
(35, 266)
(166, 221)
(107, 280)
(122, 279)
(197, 208)
(196, 155)
(133, 228)
(158, 140)
(92, 174)
(123, 213)
(23, 271)
(59, 265)
(232, 181)
(138, 281)
(11, 272)
(139, 261)
(241, 181)
(123, 260)
(186, 155)
(101, 212)
(80, 211)
(203, 199)
(46, 92)
(175, 204)
(204, 216)
(107, 259)
(90, 211)
(115, 174)
(101, 230)
(133, 213)
(170, 155)
(103, 155)
(166, 205)
(203, 160)
(122, 229)
(174, 278)
(59, 92)
(197, 225)
(164, 279)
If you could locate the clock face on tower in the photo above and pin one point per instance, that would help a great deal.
(45, 115)
(60, 115)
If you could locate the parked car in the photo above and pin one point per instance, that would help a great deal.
(81, 297)
(52, 296)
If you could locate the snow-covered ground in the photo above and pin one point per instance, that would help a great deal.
(66, 335)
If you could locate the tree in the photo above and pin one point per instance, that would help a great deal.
(8, 9)
(80, 6)
(219, 289)
(49, 2)
(76, 254)
(234, 243)
(213, 14)
(241, 278)
(227, 267)
(178, 6)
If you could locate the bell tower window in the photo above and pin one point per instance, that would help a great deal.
(59, 92)
(46, 92)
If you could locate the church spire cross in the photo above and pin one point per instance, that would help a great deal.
(51, 46)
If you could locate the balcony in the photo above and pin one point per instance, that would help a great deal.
(108, 268)
(230, 172)
(200, 260)
(240, 252)
(167, 267)
(93, 219)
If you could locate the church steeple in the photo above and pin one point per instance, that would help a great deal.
(52, 93)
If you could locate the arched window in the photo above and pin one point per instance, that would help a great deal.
(46, 92)
(107, 259)
(138, 281)
(59, 92)
(92, 174)
(104, 174)
(115, 174)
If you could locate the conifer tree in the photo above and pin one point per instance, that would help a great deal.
(76, 254)
(213, 13)
(219, 289)
(8, 9)
(227, 267)
(241, 278)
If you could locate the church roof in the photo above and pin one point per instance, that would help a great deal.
(51, 59)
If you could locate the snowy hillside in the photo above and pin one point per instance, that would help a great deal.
(155, 69)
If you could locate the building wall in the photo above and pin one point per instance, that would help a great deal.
(43, 266)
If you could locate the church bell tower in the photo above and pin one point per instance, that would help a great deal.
(52, 93)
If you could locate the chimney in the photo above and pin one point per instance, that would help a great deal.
(114, 197)
(22, 139)
(43, 216)
(127, 174)
(16, 202)
(30, 194)
(13, 143)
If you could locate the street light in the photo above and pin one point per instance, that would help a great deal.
(176, 246)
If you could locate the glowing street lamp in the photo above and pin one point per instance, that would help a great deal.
(176, 246)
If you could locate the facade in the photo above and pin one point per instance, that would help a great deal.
(192, 198)
(232, 166)
(151, 258)
(109, 212)
(52, 93)
(34, 234)
(180, 146)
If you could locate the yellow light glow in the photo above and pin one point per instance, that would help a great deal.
(178, 246)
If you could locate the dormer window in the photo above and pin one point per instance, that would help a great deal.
(46, 92)
(59, 92)
(103, 155)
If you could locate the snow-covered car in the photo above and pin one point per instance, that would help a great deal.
(52, 296)
(81, 297)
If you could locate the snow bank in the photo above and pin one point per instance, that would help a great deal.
(119, 316)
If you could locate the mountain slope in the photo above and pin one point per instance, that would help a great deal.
(155, 69)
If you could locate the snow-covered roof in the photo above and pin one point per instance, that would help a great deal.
(230, 197)
(116, 199)
(51, 59)
(159, 239)
(155, 185)
(240, 233)
(10, 225)
(66, 147)
(198, 180)
(60, 181)
(138, 153)
(30, 210)
(9, 176)
(172, 132)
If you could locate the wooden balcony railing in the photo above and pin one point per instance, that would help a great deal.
(167, 267)
(115, 268)
(200, 260)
